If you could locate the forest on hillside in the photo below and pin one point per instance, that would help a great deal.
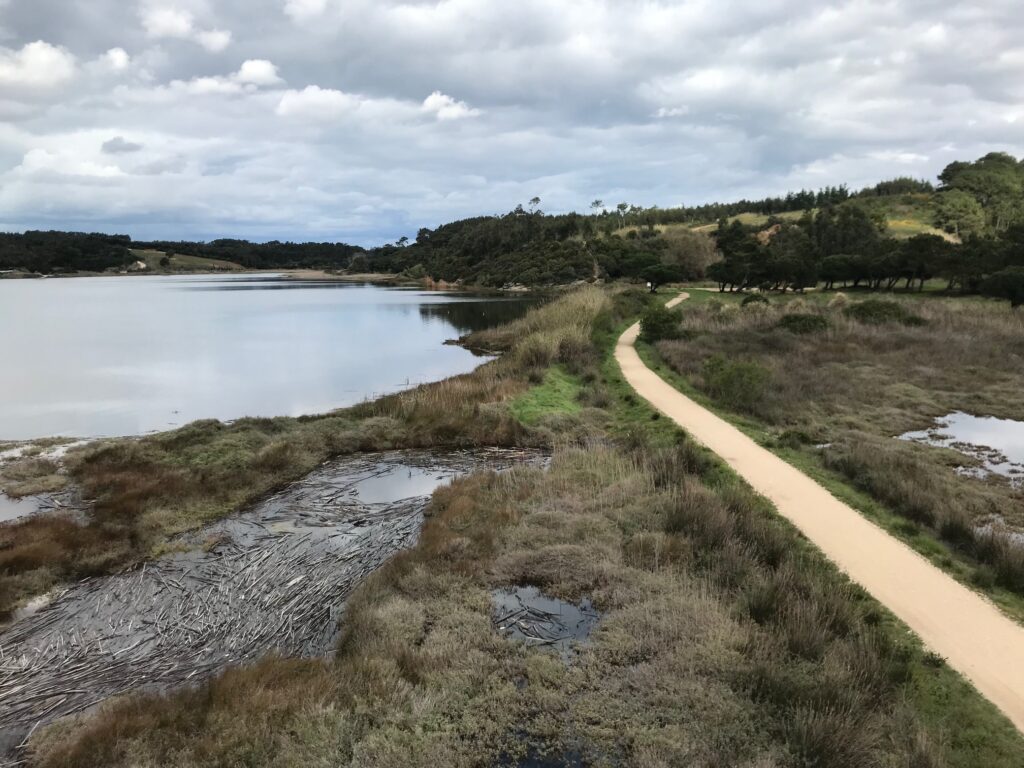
(968, 230)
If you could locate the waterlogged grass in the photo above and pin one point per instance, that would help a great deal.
(724, 640)
(855, 386)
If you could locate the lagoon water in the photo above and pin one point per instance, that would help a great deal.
(90, 357)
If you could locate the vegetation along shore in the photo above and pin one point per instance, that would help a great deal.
(721, 636)
(852, 334)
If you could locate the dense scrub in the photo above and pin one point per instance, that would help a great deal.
(724, 639)
(871, 370)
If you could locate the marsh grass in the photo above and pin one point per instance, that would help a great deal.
(679, 671)
(724, 638)
(875, 369)
(149, 489)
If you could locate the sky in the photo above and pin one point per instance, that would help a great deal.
(364, 120)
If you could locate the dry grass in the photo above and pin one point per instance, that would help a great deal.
(724, 641)
(675, 674)
(855, 384)
(150, 489)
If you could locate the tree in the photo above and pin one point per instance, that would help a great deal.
(921, 257)
(959, 213)
(659, 274)
(534, 204)
(403, 241)
(1006, 284)
(996, 181)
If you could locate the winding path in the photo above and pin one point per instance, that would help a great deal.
(972, 634)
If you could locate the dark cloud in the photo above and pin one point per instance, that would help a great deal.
(365, 119)
(119, 146)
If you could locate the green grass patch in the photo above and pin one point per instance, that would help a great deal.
(557, 395)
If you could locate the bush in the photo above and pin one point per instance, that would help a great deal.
(754, 298)
(839, 301)
(659, 323)
(736, 383)
(881, 311)
(1006, 284)
(803, 324)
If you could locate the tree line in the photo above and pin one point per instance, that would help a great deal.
(980, 206)
(840, 239)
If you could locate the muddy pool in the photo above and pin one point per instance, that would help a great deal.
(274, 578)
(995, 445)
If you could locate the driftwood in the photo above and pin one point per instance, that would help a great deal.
(272, 579)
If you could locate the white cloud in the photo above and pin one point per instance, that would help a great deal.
(258, 72)
(652, 101)
(303, 10)
(117, 58)
(167, 22)
(250, 77)
(316, 103)
(173, 22)
(36, 65)
(447, 108)
(214, 40)
(43, 161)
(203, 86)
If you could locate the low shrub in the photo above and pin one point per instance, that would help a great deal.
(839, 301)
(754, 298)
(659, 323)
(801, 323)
(737, 384)
(880, 312)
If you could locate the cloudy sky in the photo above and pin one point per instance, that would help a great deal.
(363, 120)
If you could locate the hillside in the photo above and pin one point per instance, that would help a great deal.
(175, 262)
(964, 230)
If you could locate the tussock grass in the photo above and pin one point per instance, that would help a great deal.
(695, 661)
(875, 369)
(150, 489)
(678, 672)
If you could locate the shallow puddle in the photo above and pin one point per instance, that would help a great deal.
(272, 579)
(527, 614)
(12, 509)
(401, 482)
(996, 444)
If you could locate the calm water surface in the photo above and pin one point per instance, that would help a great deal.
(88, 357)
(997, 444)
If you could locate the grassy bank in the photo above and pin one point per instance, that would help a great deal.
(849, 382)
(724, 639)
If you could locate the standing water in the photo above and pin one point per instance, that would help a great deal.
(108, 356)
(996, 444)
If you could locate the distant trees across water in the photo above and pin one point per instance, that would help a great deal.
(968, 231)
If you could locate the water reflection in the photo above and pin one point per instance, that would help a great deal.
(997, 444)
(476, 315)
(130, 355)
(12, 509)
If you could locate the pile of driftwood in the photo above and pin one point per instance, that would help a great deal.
(274, 578)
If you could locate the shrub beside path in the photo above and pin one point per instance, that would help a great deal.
(975, 638)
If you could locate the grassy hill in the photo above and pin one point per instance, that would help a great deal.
(905, 216)
(184, 263)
